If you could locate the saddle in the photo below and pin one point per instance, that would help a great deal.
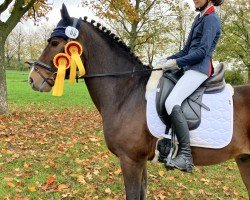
(192, 105)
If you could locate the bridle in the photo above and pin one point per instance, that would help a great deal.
(34, 65)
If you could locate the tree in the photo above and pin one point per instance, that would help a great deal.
(37, 41)
(147, 26)
(18, 39)
(234, 77)
(44, 32)
(33, 8)
(137, 22)
(181, 20)
(235, 42)
(8, 52)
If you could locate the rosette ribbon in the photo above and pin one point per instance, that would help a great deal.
(61, 62)
(74, 49)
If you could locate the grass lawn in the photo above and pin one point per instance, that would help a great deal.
(20, 94)
(53, 148)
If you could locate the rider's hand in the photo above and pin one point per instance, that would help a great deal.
(167, 64)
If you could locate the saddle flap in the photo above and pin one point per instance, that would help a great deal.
(164, 88)
(191, 106)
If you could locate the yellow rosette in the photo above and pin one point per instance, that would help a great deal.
(62, 62)
(74, 49)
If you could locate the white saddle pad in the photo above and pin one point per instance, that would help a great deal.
(216, 128)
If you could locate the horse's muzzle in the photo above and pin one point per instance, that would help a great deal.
(31, 82)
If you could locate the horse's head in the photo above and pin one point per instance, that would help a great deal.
(43, 71)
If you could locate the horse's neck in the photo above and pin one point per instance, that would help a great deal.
(110, 93)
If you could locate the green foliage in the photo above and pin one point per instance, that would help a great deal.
(235, 77)
(16, 65)
(234, 45)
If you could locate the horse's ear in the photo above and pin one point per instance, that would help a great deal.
(65, 15)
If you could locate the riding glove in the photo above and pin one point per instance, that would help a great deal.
(167, 64)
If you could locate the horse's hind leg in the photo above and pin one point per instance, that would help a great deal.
(243, 162)
(132, 173)
(143, 194)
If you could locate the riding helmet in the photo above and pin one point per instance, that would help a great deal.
(217, 2)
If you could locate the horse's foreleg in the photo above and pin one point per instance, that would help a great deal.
(243, 162)
(132, 173)
(143, 194)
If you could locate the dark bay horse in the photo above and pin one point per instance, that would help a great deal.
(122, 105)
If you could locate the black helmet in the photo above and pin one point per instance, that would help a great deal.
(217, 2)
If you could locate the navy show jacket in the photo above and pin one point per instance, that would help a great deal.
(201, 42)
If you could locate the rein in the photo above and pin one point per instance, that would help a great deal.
(109, 74)
(119, 74)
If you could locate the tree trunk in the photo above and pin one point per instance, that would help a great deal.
(3, 87)
(134, 26)
(248, 75)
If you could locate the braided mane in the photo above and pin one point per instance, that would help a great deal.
(107, 33)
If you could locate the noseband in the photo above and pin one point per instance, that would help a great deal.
(44, 66)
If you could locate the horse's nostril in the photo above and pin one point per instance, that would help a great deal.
(31, 80)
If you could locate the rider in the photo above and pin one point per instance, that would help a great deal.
(196, 60)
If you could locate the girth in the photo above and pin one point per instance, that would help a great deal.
(192, 105)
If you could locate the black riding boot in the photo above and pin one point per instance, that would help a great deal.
(183, 160)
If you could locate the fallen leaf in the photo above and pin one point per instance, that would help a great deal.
(108, 191)
(10, 184)
(161, 196)
(8, 179)
(51, 179)
(32, 188)
(191, 192)
(161, 173)
(118, 171)
(204, 180)
(93, 139)
(78, 160)
(62, 187)
(96, 172)
(25, 165)
(81, 179)
(170, 178)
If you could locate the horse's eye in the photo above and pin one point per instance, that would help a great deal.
(54, 43)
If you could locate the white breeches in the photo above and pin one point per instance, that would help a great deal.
(186, 85)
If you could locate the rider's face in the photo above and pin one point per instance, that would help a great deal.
(199, 3)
